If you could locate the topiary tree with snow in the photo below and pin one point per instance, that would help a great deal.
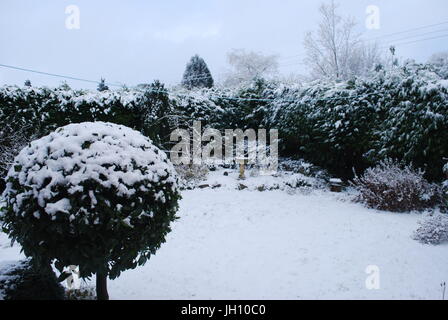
(97, 195)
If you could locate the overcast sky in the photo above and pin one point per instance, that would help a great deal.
(138, 41)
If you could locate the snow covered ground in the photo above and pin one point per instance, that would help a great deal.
(232, 244)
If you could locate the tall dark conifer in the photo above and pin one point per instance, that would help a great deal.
(197, 74)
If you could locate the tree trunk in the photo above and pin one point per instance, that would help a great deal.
(101, 286)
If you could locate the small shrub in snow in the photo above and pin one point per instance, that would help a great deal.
(190, 176)
(391, 187)
(285, 182)
(96, 195)
(296, 166)
(302, 167)
(297, 182)
(25, 281)
(86, 293)
(433, 230)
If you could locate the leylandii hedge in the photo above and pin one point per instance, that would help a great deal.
(398, 113)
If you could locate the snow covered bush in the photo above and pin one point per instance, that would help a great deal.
(83, 293)
(25, 281)
(433, 230)
(97, 195)
(302, 167)
(191, 175)
(391, 187)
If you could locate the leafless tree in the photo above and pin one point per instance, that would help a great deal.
(335, 51)
(439, 58)
(440, 63)
(247, 66)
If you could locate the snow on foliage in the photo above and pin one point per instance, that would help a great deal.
(6, 278)
(190, 176)
(395, 113)
(302, 167)
(21, 280)
(113, 156)
(391, 187)
(398, 112)
(84, 181)
(197, 74)
(433, 230)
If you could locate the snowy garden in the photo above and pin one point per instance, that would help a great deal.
(361, 218)
(289, 243)
(161, 191)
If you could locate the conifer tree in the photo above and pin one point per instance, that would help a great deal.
(102, 85)
(197, 74)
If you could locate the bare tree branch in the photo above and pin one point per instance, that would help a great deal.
(335, 52)
(246, 66)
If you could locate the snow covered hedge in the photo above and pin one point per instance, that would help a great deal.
(42, 110)
(97, 195)
(398, 113)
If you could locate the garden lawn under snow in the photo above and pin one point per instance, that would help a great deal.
(231, 244)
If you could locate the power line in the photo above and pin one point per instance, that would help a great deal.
(168, 92)
(416, 35)
(298, 56)
(249, 99)
(414, 41)
(56, 75)
(280, 65)
(383, 42)
(301, 56)
(406, 31)
(385, 46)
